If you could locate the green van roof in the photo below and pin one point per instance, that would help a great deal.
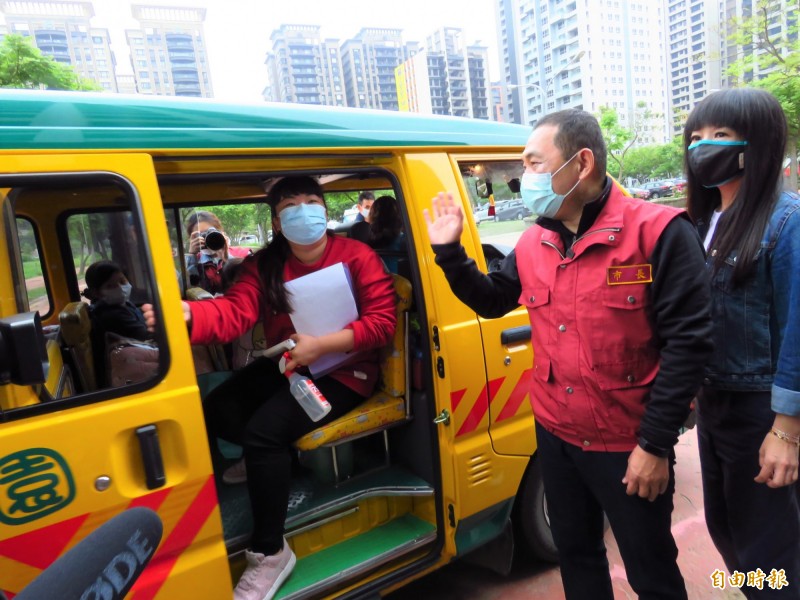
(48, 120)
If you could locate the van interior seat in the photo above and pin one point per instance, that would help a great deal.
(59, 383)
(76, 333)
(387, 407)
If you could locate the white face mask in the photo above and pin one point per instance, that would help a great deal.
(538, 194)
(117, 295)
(364, 212)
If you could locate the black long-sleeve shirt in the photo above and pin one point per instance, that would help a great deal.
(680, 311)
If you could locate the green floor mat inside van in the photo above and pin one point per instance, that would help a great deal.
(334, 563)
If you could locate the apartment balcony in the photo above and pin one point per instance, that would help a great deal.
(185, 72)
(60, 52)
(52, 39)
(179, 39)
(182, 57)
(185, 77)
(186, 89)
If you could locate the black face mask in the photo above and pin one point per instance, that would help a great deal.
(716, 162)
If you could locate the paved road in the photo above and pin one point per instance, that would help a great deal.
(698, 558)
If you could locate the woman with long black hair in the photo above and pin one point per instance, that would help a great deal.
(749, 406)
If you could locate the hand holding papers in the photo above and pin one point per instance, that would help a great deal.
(323, 303)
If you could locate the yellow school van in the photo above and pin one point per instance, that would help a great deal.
(440, 464)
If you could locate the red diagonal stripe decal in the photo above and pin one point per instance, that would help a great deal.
(456, 398)
(152, 501)
(40, 547)
(181, 538)
(478, 410)
(517, 396)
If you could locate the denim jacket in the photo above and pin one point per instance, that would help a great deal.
(757, 326)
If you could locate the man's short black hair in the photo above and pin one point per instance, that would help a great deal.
(578, 129)
(365, 195)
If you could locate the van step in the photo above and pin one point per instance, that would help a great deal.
(336, 564)
(310, 500)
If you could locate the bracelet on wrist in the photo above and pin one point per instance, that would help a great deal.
(786, 437)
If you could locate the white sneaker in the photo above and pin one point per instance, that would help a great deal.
(264, 575)
(236, 473)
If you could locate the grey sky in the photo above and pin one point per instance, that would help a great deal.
(238, 30)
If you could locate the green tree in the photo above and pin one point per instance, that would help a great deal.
(655, 160)
(23, 66)
(338, 202)
(775, 56)
(619, 139)
(622, 140)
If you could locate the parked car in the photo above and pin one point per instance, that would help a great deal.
(679, 184)
(481, 214)
(508, 210)
(248, 239)
(658, 189)
(504, 210)
(638, 192)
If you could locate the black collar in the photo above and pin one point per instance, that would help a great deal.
(591, 210)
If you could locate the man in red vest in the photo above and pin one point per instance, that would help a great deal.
(619, 306)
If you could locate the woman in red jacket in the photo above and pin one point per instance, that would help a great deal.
(255, 408)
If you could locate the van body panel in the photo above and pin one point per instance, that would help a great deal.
(479, 474)
(86, 443)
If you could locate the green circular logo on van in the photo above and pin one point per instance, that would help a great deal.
(34, 483)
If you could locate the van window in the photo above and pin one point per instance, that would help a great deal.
(108, 236)
(98, 342)
(500, 181)
(35, 281)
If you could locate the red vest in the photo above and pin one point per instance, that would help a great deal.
(596, 354)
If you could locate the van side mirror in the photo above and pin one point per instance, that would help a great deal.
(23, 355)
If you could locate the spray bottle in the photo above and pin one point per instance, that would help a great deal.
(307, 394)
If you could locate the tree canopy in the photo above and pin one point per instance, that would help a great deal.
(648, 161)
(23, 66)
(773, 64)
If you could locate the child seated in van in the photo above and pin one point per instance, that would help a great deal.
(111, 311)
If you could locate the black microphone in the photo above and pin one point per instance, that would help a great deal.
(105, 564)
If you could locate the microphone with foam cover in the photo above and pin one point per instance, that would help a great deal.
(105, 564)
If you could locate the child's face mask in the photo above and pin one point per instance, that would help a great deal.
(117, 295)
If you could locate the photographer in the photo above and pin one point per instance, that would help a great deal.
(209, 251)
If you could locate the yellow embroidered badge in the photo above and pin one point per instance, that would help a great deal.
(629, 274)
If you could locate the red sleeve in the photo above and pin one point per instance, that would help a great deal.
(375, 297)
(222, 320)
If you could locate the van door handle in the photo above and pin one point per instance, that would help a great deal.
(151, 456)
(515, 334)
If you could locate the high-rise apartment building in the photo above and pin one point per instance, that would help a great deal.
(304, 68)
(168, 51)
(586, 54)
(508, 37)
(369, 61)
(695, 41)
(63, 30)
(447, 78)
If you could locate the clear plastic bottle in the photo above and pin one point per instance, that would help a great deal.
(308, 395)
